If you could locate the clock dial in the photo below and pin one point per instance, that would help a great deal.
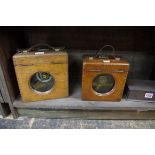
(103, 83)
(42, 82)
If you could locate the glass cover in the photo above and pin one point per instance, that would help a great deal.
(103, 83)
(42, 82)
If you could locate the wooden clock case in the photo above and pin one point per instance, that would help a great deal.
(104, 66)
(52, 61)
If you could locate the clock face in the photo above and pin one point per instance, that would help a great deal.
(42, 82)
(103, 83)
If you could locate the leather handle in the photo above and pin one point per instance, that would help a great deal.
(37, 46)
(101, 51)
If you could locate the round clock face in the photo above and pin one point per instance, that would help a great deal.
(42, 82)
(103, 83)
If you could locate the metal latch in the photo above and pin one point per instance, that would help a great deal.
(106, 61)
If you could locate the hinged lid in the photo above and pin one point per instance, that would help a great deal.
(38, 55)
(102, 62)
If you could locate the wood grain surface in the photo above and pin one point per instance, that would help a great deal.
(94, 67)
(54, 63)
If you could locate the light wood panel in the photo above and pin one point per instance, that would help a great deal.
(54, 63)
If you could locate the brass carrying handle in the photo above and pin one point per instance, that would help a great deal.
(37, 46)
(101, 51)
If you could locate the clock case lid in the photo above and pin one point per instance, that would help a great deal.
(102, 62)
(39, 55)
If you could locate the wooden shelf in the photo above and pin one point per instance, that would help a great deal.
(74, 101)
(74, 107)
